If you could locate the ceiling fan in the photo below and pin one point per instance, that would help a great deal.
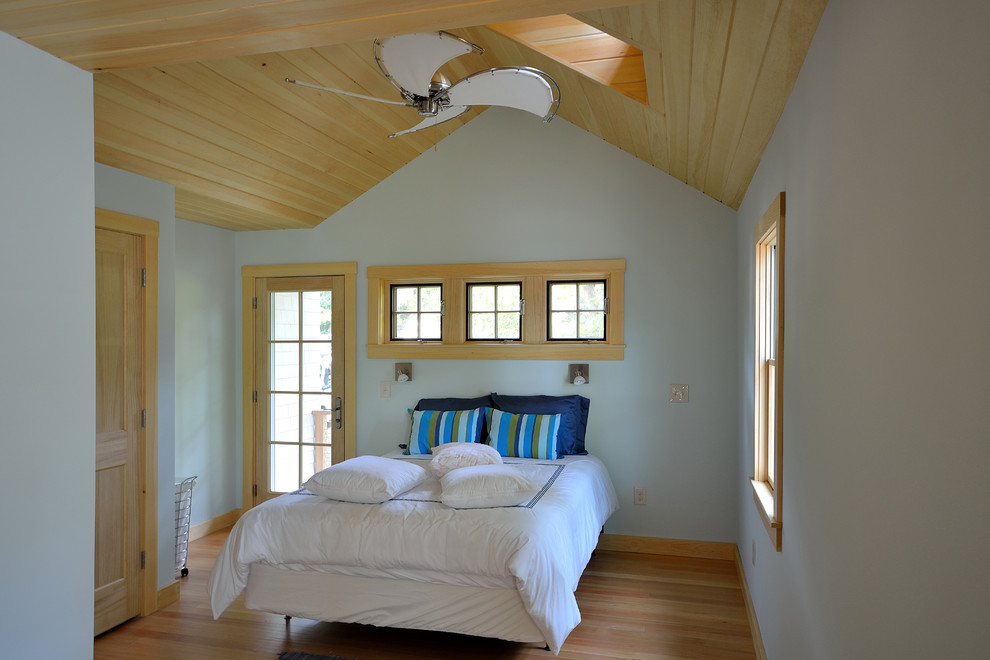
(411, 63)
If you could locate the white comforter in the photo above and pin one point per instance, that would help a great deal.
(542, 550)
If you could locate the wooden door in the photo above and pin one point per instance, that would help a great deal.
(119, 433)
(299, 367)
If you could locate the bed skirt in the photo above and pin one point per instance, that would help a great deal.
(391, 602)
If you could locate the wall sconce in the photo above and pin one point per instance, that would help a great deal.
(403, 372)
(577, 374)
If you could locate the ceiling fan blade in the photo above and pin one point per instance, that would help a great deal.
(410, 60)
(345, 93)
(516, 87)
(444, 114)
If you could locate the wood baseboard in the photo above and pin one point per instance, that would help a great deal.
(754, 625)
(214, 525)
(168, 595)
(675, 547)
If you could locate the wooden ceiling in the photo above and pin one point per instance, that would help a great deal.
(193, 93)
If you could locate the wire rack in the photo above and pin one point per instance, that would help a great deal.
(183, 505)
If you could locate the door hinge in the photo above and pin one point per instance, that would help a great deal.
(142, 560)
(144, 418)
(254, 303)
(254, 490)
(144, 277)
(254, 396)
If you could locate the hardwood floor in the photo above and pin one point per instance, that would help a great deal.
(633, 606)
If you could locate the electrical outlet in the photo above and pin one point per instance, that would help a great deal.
(639, 495)
(385, 391)
(679, 393)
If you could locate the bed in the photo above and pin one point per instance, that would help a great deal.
(414, 562)
(430, 547)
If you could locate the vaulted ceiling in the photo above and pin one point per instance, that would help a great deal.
(192, 92)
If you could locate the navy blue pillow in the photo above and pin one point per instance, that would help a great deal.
(444, 404)
(453, 403)
(574, 423)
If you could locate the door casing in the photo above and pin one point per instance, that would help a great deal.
(249, 276)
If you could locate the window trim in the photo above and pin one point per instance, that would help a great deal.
(534, 277)
(768, 406)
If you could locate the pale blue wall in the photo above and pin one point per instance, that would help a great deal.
(117, 190)
(884, 153)
(47, 355)
(206, 441)
(509, 188)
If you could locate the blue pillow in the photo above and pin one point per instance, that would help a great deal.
(523, 435)
(454, 403)
(573, 410)
(431, 428)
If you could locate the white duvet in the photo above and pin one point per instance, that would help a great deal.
(540, 549)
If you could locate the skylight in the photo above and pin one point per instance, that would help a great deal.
(600, 56)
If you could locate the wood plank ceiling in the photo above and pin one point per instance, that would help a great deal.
(193, 93)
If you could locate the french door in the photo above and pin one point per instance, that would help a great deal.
(298, 396)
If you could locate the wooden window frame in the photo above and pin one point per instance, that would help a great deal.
(768, 371)
(577, 310)
(419, 312)
(534, 345)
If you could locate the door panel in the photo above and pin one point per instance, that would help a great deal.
(119, 401)
(299, 371)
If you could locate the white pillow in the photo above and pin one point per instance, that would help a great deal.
(367, 479)
(455, 455)
(484, 486)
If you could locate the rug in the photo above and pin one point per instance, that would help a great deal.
(297, 655)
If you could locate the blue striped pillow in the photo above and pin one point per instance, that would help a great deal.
(431, 428)
(523, 435)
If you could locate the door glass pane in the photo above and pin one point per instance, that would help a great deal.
(284, 418)
(316, 314)
(285, 367)
(285, 315)
(284, 468)
(313, 405)
(316, 366)
(314, 459)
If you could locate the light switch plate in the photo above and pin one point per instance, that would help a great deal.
(679, 393)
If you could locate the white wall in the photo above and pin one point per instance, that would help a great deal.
(508, 188)
(47, 355)
(884, 152)
(124, 192)
(206, 441)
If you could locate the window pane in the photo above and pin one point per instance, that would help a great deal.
(563, 296)
(311, 403)
(563, 325)
(284, 468)
(285, 367)
(406, 326)
(483, 326)
(284, 315)
(429, 326)
(508, 297)
(508, 326)
(316, 366)
(429, 299)
(592, 325)
(316, 314)
(406, 298)
(592, 295)
(482, 298)
(284, 418)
